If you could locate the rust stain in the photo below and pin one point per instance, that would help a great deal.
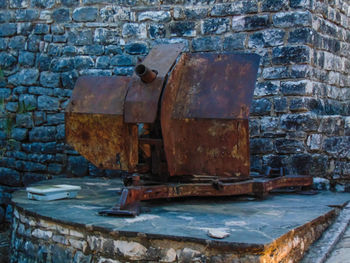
(104, 140)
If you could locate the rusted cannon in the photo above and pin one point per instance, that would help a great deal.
(179, 126)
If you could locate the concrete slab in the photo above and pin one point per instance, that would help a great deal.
(250, 223)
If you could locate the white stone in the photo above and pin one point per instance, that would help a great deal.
(314, 141)
(217, 233)
(62, 230)
(76, 233)
(78, 244)
(107, 260)
(132, 250)
(94, 242)
(42, 234)
(170, 256)
(157, 16)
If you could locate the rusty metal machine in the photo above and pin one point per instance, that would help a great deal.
(178, 126)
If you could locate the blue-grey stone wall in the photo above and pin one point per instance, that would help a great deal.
(300, 114)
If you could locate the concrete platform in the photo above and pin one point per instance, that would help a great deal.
(276, 229)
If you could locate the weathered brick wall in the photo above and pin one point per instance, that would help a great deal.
(298, 117)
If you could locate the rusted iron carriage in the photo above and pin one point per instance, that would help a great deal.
(179, 126)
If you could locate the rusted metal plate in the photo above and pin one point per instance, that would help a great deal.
(259, 187)
(99, 95)
(211, 147)
(215, 86)
(141, 103)
(202, 146)
(103, 139)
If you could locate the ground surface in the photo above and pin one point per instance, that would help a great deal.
(249, 221)
(341, 253)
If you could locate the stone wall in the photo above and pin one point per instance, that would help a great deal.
(298, 117)
(38, 239)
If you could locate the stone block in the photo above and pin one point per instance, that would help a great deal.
(332, 125)
(70, 3)
(33, 43)
(182, 28)
(17, 43)
(103, 62)
(62, 64)
(8, 29)
(274, 5)
(79, 257)
(42, 134)
(48, 103)
(3, 42)
(41, 29)
(61, 15)
(19, 134)
(85, 14)
(55, 118)
(300, 3)
(266, 38)
(301, 36)
(24, 77)
(124, 71)
(24, 120)
(9, 177)
(68, 79)
(122, 60)
(156, 16)
(136, 48)
(299, 122)
(19, 3)
(261, 107)
(234, 42)
(7, 61)
(289, 55)
(215, 26)
(206, 44)
(157, 31)
(292, 19)
(266, 88)
(59, 38)
(44, 4)
(106, 36)
(80, 37)
(236, 8)
(43, 62)
(83, 62)
(261, 145)
(26, 15)
(284, 146)
(26, 58)
(49, 79)
(134, 30)
(248, 23)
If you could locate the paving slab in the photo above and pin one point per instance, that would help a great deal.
(248, 221)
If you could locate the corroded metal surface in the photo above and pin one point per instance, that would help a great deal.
(215, 86)
(196, 142)
(99, 95)
(259, 187)
(141, 103)
(105, 140)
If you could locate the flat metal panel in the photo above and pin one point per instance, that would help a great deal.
(141, 103)
(216, 86)
(99, 95)
(202, 146)
(103, 139)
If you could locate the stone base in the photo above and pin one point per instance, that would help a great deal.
(278, 229)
